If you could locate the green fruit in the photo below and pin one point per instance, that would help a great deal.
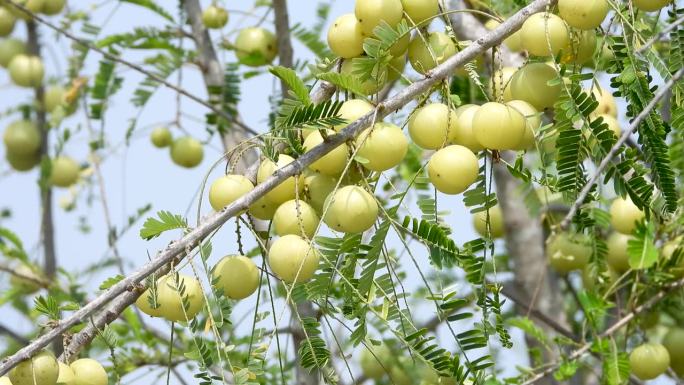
(383, 146)
(395, 68)
(22, 138)
(22, 162)
(351, 209)
(53, 7)
(501, 79)
(568, 252)
(227, 189)
(513, 42)
(532, 123)
(498, 126)
(53, 98)
(352, 110)
(263, 209)
(9, 49)
(187, 152)
(144, 305)
(26, 286)
(318, 187)
(423, 57)
(585, 14)
(170, 302)
(295, 217)
(453, 169)
(624, 215)
(650, 5)
(399, 376)
(433, 126)
(237, 276)
(530, 84)
(369, 86)
(7, 22)
(35, 6)
(618, 257)
(66, 375)
(26, 71)
(345, 37)
(256, 46)
(613, 124)
(400, 47)
(649, 360)
(582, 51)
(41, 369)
(420, 11)
(371, 12)
(496, 223)
(332, 163)
(161, 137)
(463, 134)
(542, 30)
(215, 17)
(607, 104)
(674, 343)
(64, 171)
(286, 189)
(374, 365)
(293, 259)
(88, 372)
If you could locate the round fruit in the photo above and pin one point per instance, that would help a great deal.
(395, 68)
(542, 30)
(624, 215)
(384, 146)
(513, 42)
(374, 365)
(498, 126)
(496, 224)
(618, 257)
(591, 278)
(649, 360)
(399, 48)
(293, 259)
(670, 247)
(7, 21)
(290, 219)
(161, 137)
(532, 123)
(586, 14)
(419, 11)
(501, 78)
(170, 302)
(227, 189)
(22, 137)
(41, 369)
(214, 17)
(433, 126)
(568, 252)
(24, 285)
(256, 46)
(453, 169)
(607, 104)
(35, 6)
(263, 209)
(674, 343)
(352, 110)
(530, 84)
(286, 189)
(424, 57)
(369, 86)
(187, 152)
(332, 163)
(582, 51)
(64, 171)
(9, 49)
(4, 380)
(399, 376)
(143, 303)
(318, 187)
(66, 375)
(237, 276)
(26, 71)
(650, 5)
(55, 97)
(345, 37)
(371, 12)
(613, 124)
(89, 372)
(463, 135)
(22, 163)
(351, 209)
(53, 7)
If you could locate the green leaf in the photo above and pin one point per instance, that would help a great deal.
(641, 248)
(111, 281)
(296, 85)
(344, 81)
(153, 228)
(48, 306)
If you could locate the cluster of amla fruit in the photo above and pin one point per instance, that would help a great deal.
(44, 369)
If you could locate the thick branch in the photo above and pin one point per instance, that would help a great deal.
(282, 26)
(178, 249)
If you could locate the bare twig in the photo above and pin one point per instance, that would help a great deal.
(35, 279)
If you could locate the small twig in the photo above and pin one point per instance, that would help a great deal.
(13, 335)
(35, 279)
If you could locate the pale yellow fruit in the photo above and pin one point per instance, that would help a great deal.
(236, 275)
(41, 369)
(530, 84)
(420, 10)
(501, 79)
(424, 57)
(378, 363)
(399, 48)
(24, 285)
(170, 302)
(10, 48)
(263, 209)
(463, 134)
(453, 169)
(542, 31)
(332, 163)
(532, 123)
(22, 137)
(227, 189)
(53, 7)
(496, 223)
(64, 172)
(498, 126)
(345, 37)
(650, 5)
(291, 219)
(351, 209)
(396, 67)
(352, 110)
(671, 246)
(89, 372)
(369, 86)
(161, 137)
(674, 343)
(606, 100)
(433, 125)
(66, 375)
(624, 215)
(617, 256)
(568, 252)
(7, 22)
(35, 6)
(649, 360)
(53, 98)
(146, 301)
(4, 380)
(513, 42)
(584, 14)
(384, 146)
(286, 189)
(581, 51)
(613, 124)
(214, 17)
(371, 12)
(399, 376)
(187, 152)
(318, 187)
(26, 70)
(256, 46)
(293, 259)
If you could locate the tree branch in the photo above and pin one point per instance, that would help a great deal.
(124, 292)
(282, 26)
(14, 335)
(38, 281)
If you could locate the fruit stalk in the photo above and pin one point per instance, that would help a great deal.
(126, 291)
